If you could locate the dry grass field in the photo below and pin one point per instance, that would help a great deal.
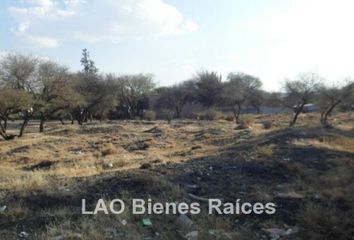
(307, 170)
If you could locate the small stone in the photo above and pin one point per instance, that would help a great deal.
(23, 235)
(2, 209)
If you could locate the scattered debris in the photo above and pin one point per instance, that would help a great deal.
(154, 130)
(220, 234)
(291, 194)
(276, 233)
(44, 165)
(64, 189)
(74, 236)
(194, 197)
(140, 145)
(146, 222)
(243, 127)
(111, 233)
(23, 235)
(2, 209)
(184, 221)
(58, 238)
(192, 188)
(107, 165)
(76, 151)
(192, 235)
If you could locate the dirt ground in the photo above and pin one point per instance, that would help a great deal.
(307, 171)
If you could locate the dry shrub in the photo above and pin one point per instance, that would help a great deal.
(158, 185)
(210, 114)
(108, 149)
(15, 212)
(245, 123)
(339, 142)
(120, 163)
(145, 166)
(149, 115)
(267, 124)
(265, 151)
(229, 118)
(94, 228)
(30, 182)
(317, 223)
(167, 115)
(16, 180)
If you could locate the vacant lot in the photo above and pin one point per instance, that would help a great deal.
(308, 171)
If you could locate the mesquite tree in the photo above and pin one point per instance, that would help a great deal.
(300, 92)
(55, 92)
(331, 96)
(175, 98)
(14, 104)
(240, 90)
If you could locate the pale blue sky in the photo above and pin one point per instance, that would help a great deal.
(173, 39)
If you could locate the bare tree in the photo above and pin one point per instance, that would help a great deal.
(331, 96)
(241, 89)
(299, 92)
(17, 72)
(176, 97)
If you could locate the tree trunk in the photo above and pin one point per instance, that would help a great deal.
(236, 110)
(178, 112)
(3, 131)
(297, 113)
(4, 135)
(258, 110)
(328, 112)
(322, 116)
(238, 114)
(5, 123)
(24, 125)
(41, 124)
